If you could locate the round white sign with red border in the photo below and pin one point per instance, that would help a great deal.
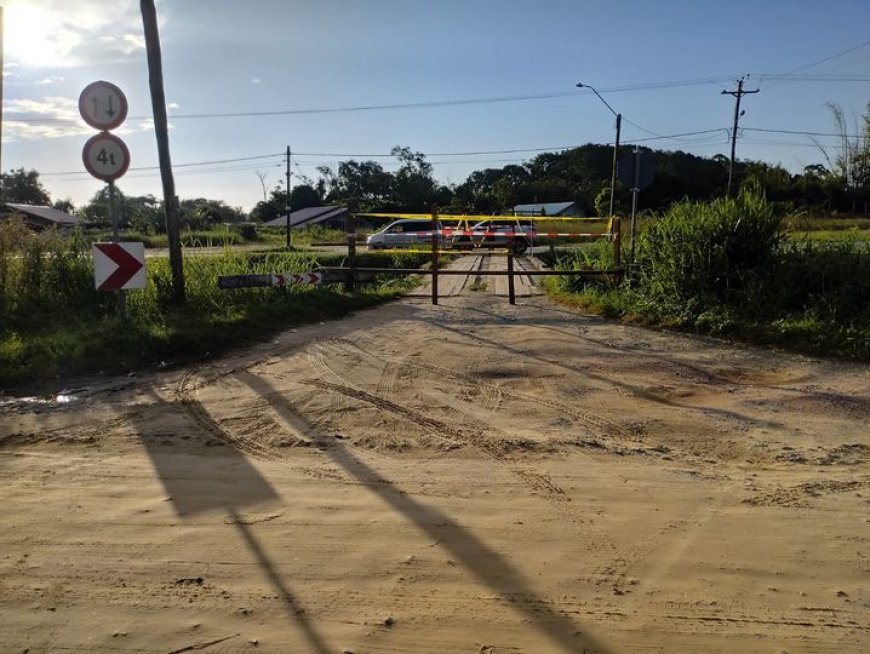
(106, 157)
(103, 105)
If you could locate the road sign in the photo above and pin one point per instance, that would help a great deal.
(627, 167)
(302, 278)
(103, 105)
(119, 266)
(106, 157)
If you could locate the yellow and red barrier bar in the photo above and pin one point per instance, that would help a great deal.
(477, 217)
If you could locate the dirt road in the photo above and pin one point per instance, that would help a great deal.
(471, 477)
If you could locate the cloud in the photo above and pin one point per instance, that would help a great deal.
(48, 81)
(255, 80)
(53, 117)
(173, 105)
(63, 34)
(50, 117)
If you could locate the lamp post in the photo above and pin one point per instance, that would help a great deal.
(580, 85)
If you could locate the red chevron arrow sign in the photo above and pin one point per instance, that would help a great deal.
(119, 266)
(301, 278)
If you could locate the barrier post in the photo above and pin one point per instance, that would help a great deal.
(435, 234)
(510, 270)
(351, 251)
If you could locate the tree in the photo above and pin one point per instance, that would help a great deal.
(202, 213)
(66, 205)
(96, 212)
(141, 213)
(272, 207)
(23, 186)
(304, 196)
(413, 187)
(365, 183)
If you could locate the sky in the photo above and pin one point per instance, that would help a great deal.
(323, 70)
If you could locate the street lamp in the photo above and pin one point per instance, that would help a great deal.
(580, 85)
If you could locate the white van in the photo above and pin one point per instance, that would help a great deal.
(403, 234)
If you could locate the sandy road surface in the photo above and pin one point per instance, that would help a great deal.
(472, 477)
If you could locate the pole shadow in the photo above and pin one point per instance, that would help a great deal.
(213, 476)
(487, 565)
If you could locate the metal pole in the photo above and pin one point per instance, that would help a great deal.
(615, 154)
(113, 215)
(161, 131)
(581, 85)
(435, 234)
(512, 298)
(351, 251)
(287, 201)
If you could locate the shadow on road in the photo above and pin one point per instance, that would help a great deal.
(483, 562)
(215, 477)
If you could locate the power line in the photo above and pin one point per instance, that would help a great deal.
(184, 165)
(457, 102)
(467, 153)
(406, 105)
(820, 78)
(820, 61)
(790, 131)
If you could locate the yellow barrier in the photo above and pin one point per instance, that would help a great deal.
(477, 218)
(442, 250)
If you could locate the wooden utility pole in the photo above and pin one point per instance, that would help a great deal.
(739, 93)
(161, 130)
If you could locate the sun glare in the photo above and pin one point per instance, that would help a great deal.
(35, 36)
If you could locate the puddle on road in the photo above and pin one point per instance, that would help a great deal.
(62, 398)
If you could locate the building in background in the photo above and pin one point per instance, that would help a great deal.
(560, 209)
(39, 218)
(333, 217)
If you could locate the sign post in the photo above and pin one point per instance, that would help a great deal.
(637, 171)
(103, 106)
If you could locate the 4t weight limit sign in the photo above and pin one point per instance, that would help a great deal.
(106, 157)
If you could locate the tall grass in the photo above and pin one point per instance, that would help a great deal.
(43, 275)
(725, 267)
(701, 253)
(54, 322)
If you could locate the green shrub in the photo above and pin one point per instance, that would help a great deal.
(723, 267)
(702, 253)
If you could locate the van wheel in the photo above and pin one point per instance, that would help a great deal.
(520, 246)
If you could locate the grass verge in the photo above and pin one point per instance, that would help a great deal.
(53, 324)
(727, 269)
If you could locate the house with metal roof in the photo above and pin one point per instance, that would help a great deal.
(560, 209)
(333, 217)
(39, 217)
